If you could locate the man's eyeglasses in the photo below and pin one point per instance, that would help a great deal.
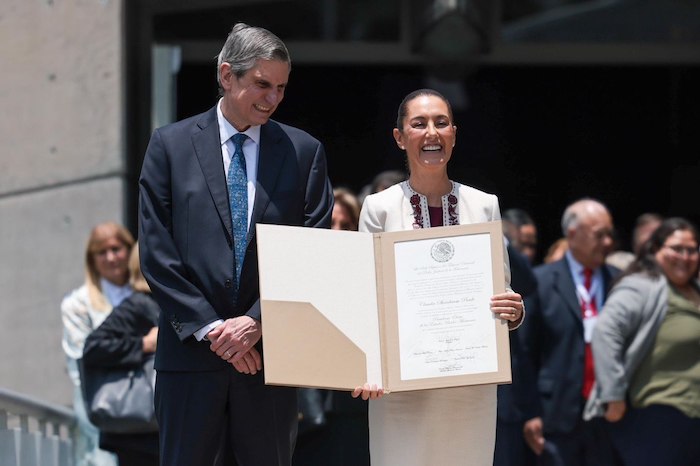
(683, 250)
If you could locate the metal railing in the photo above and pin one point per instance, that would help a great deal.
(34, 432)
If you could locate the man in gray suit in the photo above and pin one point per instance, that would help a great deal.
(211, 397)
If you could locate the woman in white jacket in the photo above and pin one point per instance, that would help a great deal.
(83, 310)
(448, 426)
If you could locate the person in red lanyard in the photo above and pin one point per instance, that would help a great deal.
(556, 338)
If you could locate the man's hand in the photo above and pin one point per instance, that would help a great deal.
(234, 341)
(250, 363)
(532, 430)
(616, 410)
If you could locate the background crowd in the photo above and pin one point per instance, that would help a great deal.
(642, 408)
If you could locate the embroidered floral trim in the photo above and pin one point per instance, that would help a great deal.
(419, 203)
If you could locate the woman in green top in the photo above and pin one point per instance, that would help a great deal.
(646, 347)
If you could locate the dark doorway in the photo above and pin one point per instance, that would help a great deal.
(538, 137)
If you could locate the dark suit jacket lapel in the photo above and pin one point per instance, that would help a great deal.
(270, 161)
(565, 286)
(207, 146)
(608, 275)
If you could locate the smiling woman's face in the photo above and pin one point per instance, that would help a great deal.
(428, 134)
(678, 257)
(111, 260)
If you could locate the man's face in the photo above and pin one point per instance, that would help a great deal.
(251, 99)
(592, 240)
(527, 241)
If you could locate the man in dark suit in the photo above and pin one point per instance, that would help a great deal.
(516, 400)
(556, 338)
(211, 399)
(521, 231)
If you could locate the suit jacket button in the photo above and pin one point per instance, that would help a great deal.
(228, 283)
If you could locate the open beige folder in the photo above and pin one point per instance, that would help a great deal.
(405, 310)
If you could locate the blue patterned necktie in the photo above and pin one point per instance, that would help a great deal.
(238, 200)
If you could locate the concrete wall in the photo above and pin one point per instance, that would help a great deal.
(62, 167)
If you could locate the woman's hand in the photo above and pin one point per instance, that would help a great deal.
(368, 392)
(508, 306)
(149, 341)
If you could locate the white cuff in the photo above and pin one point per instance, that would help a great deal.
(201, 334)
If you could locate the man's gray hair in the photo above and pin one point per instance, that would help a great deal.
(245, 44)
(578, 210)
(569, 219)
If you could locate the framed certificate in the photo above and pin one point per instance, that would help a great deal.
(405, 310)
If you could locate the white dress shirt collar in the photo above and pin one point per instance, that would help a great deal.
(576, 269)
(226, 129)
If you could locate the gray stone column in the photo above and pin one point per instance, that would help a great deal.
(62, 170)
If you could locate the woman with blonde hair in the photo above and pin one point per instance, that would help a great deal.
(126, 339)
(83, 310)
(346, 210)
